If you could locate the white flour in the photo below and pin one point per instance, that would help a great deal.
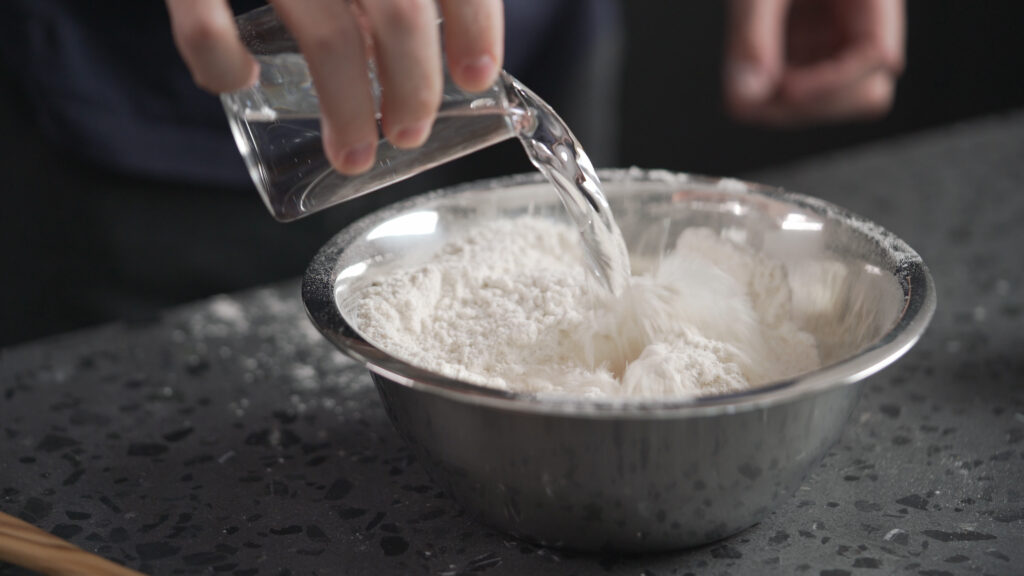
(508, 305)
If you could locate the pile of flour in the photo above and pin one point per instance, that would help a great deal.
(508, 305)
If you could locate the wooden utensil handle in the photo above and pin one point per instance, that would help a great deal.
(25, 545)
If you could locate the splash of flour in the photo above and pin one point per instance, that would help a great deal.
(507, 305)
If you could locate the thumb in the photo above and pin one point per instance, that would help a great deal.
(754, 50)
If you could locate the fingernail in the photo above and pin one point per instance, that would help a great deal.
(411, 135)
(479, 70)
(254, 75)
(358, 158)
(749, 82)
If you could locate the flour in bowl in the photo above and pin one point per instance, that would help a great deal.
(508, 305)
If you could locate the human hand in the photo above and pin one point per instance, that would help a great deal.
(794, 62)
(336, 37)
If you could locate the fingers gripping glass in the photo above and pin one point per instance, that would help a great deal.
(276, 125)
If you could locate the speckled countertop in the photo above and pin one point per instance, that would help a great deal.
(230, 438)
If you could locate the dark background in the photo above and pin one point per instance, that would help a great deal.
(82, 246)
(963, 59)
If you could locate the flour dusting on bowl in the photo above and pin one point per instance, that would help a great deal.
(506, 304)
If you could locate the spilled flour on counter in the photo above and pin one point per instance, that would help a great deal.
(508, 305)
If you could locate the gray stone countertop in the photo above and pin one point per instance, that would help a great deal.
(228, 437)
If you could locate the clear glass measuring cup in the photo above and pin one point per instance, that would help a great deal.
(276, 125)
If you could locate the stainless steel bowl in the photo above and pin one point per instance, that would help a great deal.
(638, 475)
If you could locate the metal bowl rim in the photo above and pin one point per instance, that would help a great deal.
(916, 281)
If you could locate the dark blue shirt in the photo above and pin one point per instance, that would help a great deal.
(105, 82)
